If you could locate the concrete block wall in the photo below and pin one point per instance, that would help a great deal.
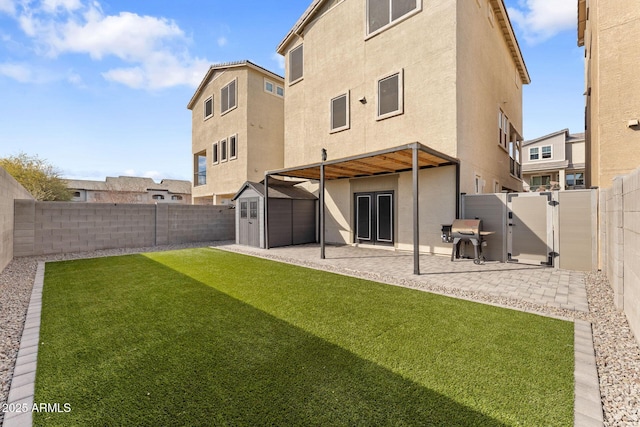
(10, 190)
(43, 228)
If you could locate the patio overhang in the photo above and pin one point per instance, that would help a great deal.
(405, 158)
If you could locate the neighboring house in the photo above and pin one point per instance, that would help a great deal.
(554, 162)
(609, 30)
(237, 129)
(388, 85)
(127, 189)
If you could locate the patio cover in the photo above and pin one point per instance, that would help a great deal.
(410, 157)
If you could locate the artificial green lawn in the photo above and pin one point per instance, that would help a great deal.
(207, 337)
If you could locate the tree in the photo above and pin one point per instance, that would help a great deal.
(40, 178)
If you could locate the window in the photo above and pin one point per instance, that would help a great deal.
(176, 197)
(200, 168)
(76, 194)
(479, 185)
(243, 209)
(340, 113)
(546, 152)
(383, 13)
(268, 86)
(208, 107)
(503, 130)
(280, 91)
(223, 150)
(540, 181)
(233, 147)
(296, 64)
(228, 97)
(514, 159)
(575, 179)
(214, 154)
(157, 197)
(534, 153)
(390, 96)
(253, 210)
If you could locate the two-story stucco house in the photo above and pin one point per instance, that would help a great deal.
(554, 162)
(609, 31)
(414, 102)
(237, 129)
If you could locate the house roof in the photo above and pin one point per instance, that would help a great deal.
(227, 65)
(391, 160)
(131, 184)
(278, 189)
(582, 21)
(569, 137)
(501, 15)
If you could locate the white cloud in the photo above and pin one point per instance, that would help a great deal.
(222, 41)
(153, 50)
(540, 20)
(155, 175)
(279, 59)
(8, 6)
(25, 73)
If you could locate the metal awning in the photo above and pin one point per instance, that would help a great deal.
(391, 160)
(405, 158)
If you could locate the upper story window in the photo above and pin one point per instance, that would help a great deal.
(534, 153)
(340, 113)
(546, 152)
(208, 107)
(176, 197)
(503, 130)
(390, 95)
(383, 13)
(223, 150)
(200, 168)
(214, 154)
(228, 97)
(269, 86)
(296, 64)
(158, 197)
(279, 91)
(233, 147)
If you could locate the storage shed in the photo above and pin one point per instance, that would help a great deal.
(292, 214)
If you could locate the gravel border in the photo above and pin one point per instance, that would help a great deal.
(617, 351)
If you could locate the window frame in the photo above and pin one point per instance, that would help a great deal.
(279, 88)
(369, 34)
(531, 153)
(199, 175)
(223, 150)
(504, 127)
(273, 86)
(532, 185)
(292, 82)
(234, 145)
(233, 82)
(215, 156)
(204, 108)
(347, 113)
(400, 110)
(176, 197)
(542, 152)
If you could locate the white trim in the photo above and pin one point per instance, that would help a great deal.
(400, 109)
(550, 147)
(215, 154)
(224, 149)
(368, 35)
(273, 86)
(204, 108)
(235, 80)
(348, 115)
(235, 136)
(378, 217)
(292, 82)
(358, 216)
(537, 153)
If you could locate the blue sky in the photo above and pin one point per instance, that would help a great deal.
(100, 87)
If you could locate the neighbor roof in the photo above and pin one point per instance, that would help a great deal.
(131, 184)
(498, 5)
(569, 137)
(224, 66)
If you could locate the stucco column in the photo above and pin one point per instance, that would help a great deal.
(562, 179)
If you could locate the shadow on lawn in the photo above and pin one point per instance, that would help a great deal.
(159, 348)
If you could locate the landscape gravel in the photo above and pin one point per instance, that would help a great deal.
(617, 352)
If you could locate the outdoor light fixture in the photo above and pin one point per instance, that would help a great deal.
(632, 123)
(363, 100)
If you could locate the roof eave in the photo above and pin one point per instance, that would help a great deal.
(582, 21)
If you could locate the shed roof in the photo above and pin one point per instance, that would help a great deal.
(278, 190)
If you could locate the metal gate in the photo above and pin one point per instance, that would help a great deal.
(530, 228)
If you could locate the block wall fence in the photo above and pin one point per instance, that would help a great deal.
(620, 244)
(43, 228)
(10, 190)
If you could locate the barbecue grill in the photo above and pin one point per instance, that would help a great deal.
(466, 230)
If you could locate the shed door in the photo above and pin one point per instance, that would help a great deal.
(530, 222)
(249, 224)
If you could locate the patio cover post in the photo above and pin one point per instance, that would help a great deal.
(416, 220)
(324, 158)
(266, 211)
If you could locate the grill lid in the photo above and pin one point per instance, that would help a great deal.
(466, 227)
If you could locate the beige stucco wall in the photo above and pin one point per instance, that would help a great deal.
(258, 122)
(486, 81)
(337, 59)
(612, 57)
